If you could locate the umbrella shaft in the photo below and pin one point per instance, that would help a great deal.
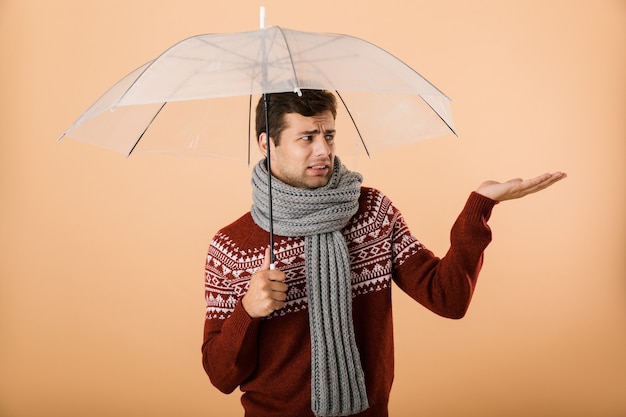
(269, 177)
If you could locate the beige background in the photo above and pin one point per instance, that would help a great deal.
(101, 293)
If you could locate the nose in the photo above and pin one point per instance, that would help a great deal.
(321, 146)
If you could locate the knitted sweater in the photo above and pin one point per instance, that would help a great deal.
(270, 358)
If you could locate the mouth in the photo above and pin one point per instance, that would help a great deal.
(319, 169)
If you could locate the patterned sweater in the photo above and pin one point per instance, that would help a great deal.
(270, 358)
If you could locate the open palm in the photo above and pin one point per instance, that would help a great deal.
(518, 187)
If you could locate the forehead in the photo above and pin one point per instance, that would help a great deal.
(298, 122)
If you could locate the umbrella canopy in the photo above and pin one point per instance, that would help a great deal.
(192, 84)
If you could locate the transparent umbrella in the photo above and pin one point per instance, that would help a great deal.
(177, 103)
(206, 76)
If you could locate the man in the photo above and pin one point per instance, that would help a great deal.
(314, 335)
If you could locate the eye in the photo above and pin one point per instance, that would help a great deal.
(329, 137)
(307, 138)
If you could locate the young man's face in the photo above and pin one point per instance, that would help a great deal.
(305, 154)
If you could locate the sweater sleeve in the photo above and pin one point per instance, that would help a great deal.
(229, 348)
(445, 285)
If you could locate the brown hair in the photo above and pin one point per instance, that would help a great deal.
(311, 103)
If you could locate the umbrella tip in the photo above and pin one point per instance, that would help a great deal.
(262, 17)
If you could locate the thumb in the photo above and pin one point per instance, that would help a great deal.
(266, 260)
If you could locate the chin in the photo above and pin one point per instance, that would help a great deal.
(318, 184)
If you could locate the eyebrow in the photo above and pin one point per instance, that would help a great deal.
(317, 131)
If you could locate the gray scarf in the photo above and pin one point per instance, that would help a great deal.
(337, 379)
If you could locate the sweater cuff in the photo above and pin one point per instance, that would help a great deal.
(478, 207)
(240, 321)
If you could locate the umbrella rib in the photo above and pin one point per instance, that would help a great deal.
(231, 52)
(354, 123)
(410, 68)
(141, 75)
(293, 68)
(198, 70)
(237, 55)
(262, 56)
(149, 65)
(200, 38)
(144, 131)
(437, 113)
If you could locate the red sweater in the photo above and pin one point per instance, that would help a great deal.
(270, 358)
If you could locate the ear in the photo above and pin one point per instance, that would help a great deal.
(263, 143)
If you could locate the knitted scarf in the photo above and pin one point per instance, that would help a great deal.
(337, 379)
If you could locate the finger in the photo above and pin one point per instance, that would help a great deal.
(277, 285)
(557, 176)
(545, 180)
(279, 296)
(541, 182)
(277, 305)
(549, 178)
(532, 182)
(266, 260)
